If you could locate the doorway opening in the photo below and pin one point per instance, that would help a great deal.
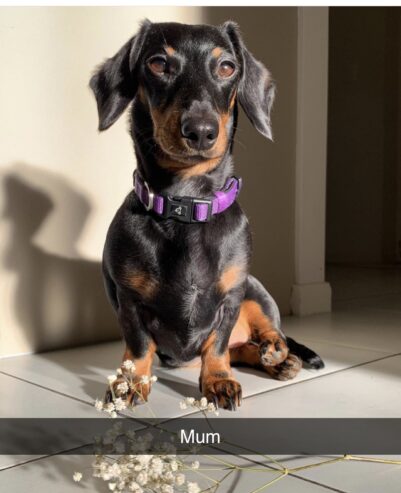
(363, 222)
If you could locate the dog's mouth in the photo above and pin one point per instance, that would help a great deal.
(180, 153)
(189, 159)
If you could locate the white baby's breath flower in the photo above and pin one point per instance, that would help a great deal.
(123, 387)
(203, 403)
(117, 428)
(108, 440)
(157, 466)
(195, 464)
(147, 437)
(130, 434)
(144, 459)
(120, 485)
(144, 379)
(166, 488)
(113, 414)
(180, 479)
(129, 365)
(77, 477)
(111, 378)
(119, 371)
(183, 405)
(168, 477)
(98, 404)
(115, 470)
(112, 486)
(193, 487)
(142, 478)
(119, 448)
(119, 404)
(109, 407)
(190, 401)
(153, 378)
(211, 407)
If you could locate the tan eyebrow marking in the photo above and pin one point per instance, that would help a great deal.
(169, 50)
(216, 52)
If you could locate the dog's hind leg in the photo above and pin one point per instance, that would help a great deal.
(267, 347)
(249, 354)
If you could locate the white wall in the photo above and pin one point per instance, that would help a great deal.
(310, 293)
(61, 181)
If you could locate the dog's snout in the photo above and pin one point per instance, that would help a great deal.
(200, 134)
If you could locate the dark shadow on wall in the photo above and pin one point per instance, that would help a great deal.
(58, 301)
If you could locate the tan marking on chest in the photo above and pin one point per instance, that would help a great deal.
(142, 282)
(230, 278)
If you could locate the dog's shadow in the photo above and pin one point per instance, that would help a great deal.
(58, 299)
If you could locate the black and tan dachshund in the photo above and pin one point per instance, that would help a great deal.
(177, 253)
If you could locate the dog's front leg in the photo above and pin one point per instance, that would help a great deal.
(134, 384)
(217, 383)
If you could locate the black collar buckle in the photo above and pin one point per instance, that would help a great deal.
(183, 208)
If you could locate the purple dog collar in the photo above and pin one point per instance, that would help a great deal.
(187, 209)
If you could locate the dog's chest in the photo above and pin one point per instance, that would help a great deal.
(189, 275)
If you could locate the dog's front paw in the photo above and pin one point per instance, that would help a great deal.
(286, 370)
(225, 393)
(133, 390)
(273, 352)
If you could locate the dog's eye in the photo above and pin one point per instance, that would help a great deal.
(157, 65)
(225, 69)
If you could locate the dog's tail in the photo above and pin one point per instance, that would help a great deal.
(307, 355)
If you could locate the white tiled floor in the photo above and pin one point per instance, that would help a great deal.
(360, 343)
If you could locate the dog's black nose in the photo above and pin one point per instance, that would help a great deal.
(200, 134)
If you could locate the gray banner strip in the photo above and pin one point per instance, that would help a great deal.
(201, 435)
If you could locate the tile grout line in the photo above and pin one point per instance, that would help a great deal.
(47, 388)
(42, 457)
(324, 375)
(307, 480)
(271, 467)
(330, 488)
(341, 345)
(57, 392)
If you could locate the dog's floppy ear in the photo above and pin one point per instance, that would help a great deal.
(256, 88)
(115, 81)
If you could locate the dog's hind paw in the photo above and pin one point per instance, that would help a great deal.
(287, 370)
(273, 352)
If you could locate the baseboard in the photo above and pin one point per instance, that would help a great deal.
(307, 299)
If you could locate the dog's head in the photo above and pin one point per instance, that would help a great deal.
(188, 79)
